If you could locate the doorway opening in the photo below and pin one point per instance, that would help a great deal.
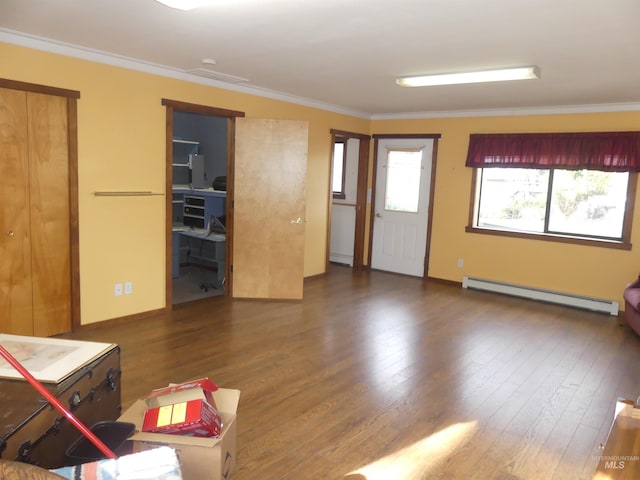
(349, 171)
(199, 188)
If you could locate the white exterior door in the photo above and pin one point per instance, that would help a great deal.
(402, 205)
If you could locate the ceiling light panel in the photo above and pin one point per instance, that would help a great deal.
(481, 76)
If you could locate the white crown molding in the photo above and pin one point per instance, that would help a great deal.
(513, 112)
(70, 50)
(89, 54)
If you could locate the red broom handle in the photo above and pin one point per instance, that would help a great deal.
(56, 403)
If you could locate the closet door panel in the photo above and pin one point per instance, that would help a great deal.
(15, 238)
(49, 195)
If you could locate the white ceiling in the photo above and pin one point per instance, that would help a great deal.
(346, 54)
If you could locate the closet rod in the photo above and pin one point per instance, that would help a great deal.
(131, 193)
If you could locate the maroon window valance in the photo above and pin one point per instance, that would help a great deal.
(607, 151)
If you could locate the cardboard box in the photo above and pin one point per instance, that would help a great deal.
(184, 409)
(201, 458)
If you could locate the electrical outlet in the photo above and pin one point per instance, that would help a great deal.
(128, 288)
(117, 289)
(460, 263)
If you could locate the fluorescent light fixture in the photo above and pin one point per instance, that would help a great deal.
(501, 75)
(187, 4)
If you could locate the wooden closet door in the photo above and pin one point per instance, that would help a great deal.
(49, 206)
(35, 278)
(15, 237)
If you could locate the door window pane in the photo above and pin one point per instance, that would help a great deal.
(402, 191)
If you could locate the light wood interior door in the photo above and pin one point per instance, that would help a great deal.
(269, 208)
(49, 207)
(15, 236)
(35, 278)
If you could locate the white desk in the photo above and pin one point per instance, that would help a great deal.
(203, 248)
(200, 233)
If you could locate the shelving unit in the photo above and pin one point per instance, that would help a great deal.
(182, 150)
(193, 209)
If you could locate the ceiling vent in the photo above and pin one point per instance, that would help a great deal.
(222, 77)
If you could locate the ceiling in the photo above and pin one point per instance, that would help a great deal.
(344, 55)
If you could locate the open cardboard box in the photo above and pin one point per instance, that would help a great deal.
(201, 458)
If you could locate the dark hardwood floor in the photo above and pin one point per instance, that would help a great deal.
(379, 376)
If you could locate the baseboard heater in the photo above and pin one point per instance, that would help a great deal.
(587, 303)
(341, 259)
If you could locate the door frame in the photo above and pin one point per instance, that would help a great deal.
(72, 97)
(434, 161)
(361, 196)
(231, 115)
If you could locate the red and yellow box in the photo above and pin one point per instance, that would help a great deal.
(184, 409)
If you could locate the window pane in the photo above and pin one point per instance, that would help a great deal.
(588, 202)
(338, 165)
(402, 191)
(513, 199)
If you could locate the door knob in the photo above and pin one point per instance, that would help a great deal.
(297, 221)
(378, 215)
(11, 233)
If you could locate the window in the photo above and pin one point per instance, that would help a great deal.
(571, 187)
(575, 203)
(402, 192)
(339, 161)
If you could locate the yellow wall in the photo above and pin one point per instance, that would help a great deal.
(583, 270)
(121, 146)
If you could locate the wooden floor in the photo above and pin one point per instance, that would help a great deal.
(379, 376)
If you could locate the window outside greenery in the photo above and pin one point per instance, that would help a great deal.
(578, 203)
